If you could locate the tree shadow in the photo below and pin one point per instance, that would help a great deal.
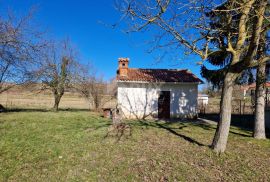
(165, 126)
(191, 140)
(242, 122)
(26, 110)
(198, 123)
(201, 123)
(148, 103)
(42, 110)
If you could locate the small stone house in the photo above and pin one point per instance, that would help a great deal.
(156, 93)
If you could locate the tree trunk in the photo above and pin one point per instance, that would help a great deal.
(259, 126)
(96, 102)
(223, 128)
(57, 99)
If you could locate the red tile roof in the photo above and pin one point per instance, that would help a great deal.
(253, 86)
(159, 75)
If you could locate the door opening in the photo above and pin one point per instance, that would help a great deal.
(164, 104)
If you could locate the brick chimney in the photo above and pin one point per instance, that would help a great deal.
(123, 66)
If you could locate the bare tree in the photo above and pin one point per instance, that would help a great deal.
(20, 45)
(186, 24)
(58, 69)
(112, 88)
(95, 90)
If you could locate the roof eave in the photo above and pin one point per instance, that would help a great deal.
(134, 81)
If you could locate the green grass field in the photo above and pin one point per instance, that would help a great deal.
(70, 146)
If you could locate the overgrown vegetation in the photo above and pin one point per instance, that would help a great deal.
(70, 146)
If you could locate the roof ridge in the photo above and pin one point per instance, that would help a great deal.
(160, 75)
(159, 69)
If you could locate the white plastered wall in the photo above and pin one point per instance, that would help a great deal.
(140, 100)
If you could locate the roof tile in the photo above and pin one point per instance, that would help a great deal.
(159, 75)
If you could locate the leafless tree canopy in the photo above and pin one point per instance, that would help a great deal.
(186, 23)
(59, 69)
(94, 89)
(20, 45)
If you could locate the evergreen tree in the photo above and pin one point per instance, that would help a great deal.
(222, 59)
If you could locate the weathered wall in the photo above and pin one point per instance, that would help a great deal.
(140, 100)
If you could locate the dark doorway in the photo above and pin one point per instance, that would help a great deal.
(164, 104)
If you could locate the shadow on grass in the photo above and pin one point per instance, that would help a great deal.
(242, 122)
(208, 126)
(42, 110)
(191, 140)
(185, 123)
(166, 126)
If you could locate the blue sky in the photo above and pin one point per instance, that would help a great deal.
(84, 22)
